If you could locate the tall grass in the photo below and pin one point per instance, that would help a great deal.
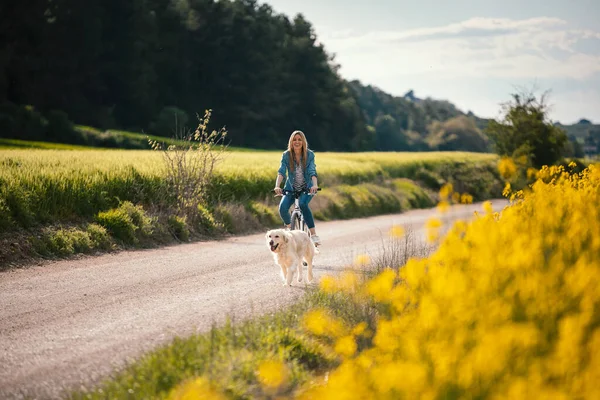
(40, 186)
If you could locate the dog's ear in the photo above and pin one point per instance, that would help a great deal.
(286, 236)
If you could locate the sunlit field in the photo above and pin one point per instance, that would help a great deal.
(47, 184)
(32, 162)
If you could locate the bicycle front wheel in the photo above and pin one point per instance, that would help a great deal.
(296, 223)
(305, 228)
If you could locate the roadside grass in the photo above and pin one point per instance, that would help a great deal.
(228, 355)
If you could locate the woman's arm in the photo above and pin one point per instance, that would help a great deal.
(278, 183)
(312, 172)
(311, 166)
(281, 173)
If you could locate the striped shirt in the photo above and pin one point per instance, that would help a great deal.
(299, 183)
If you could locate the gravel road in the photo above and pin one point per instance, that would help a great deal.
(67, 324)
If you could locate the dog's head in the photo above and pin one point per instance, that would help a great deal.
(276, 238)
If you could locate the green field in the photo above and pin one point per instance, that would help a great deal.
(57, 200)
(57, 184)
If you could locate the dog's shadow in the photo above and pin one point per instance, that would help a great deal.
(326, 268)
(303, 286)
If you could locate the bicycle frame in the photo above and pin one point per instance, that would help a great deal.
(297, 220)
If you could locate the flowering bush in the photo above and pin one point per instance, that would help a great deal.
(507, 307)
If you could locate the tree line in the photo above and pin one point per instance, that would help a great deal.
(139, 64)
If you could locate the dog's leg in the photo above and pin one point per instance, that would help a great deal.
(309, 273)
(309, 257)
(290, 274)
(284, 272)
(299, 278)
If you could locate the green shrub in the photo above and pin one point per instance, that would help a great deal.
(119, 223)
(99, 236)
(63, 242)
(414, 196)
(18, 201)
(482, 181)
(142, 222)
(205, 222)
(6, 221)
(127, 223)
(178, 227)
(429, 178)
(224, 215)
(264, 214)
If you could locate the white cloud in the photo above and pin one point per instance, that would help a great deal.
(535, 48)
(572, 106)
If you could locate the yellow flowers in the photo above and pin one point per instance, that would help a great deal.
(443, 206)
(396, 231)
(506, 308)
(272, 373)
(381, 286)
(362, 260)
(345, 346)
(446, 191)
(320, 323)
(507, 168)
(466, 198)
(195, 389)
(433, 226)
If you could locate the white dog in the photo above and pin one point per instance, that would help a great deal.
(289, 249)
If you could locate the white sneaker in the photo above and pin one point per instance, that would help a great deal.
(315, 239)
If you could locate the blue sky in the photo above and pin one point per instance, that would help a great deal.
(471, 53)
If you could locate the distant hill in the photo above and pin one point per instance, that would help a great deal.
(581, 129)
(413, 123)
(418, 124)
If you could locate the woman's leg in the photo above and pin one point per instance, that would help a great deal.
(308, 217)
(284, 209)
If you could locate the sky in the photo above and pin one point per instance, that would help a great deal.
(473, 53)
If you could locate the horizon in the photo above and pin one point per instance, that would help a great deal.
(473, 54)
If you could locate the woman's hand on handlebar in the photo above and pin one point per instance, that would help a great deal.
(278, 191)
(313, 189)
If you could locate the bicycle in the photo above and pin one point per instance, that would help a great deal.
(297, 222)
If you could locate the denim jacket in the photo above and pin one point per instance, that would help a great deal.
(286, 171)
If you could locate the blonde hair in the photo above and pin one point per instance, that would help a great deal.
(303, 153)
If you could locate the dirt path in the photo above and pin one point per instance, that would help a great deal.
(69, 323)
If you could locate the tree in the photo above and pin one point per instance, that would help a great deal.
(574, 148)
(458, 133)
(524, 130)
(388, 134)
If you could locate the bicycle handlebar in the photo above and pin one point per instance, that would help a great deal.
(294, 192)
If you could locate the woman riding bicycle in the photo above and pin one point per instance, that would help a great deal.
(298, 164)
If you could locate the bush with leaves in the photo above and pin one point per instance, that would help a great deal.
(525, 132)
(190, 166)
